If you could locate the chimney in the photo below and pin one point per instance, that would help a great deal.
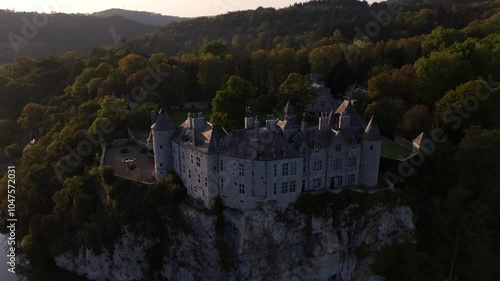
(271, 123)
(198, 122)
(323, 121)
(256, 126)
(153, 116)
(248, 119)
(303, 124)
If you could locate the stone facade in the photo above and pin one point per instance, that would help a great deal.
(270, 164)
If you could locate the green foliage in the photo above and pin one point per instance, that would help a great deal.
(107, 175)
(14, 151)
(131, 166)
(403, 254)
(298, 90)
(227, 104)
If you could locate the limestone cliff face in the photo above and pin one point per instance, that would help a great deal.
(263, 244)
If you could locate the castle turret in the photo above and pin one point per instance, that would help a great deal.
(370, 155)
(303, 124)
(288, 125)
(162, 131)
(345, 117)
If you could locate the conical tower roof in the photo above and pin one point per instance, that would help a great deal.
(163, 122)
(288, 109)
(372, 131)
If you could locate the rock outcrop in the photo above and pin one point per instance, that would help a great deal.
(263, 244)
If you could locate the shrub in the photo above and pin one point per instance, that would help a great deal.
(132, 166)
(106, 174)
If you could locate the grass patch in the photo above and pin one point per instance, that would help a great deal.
(179, 116)
(392, 150)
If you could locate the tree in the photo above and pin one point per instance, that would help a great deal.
(229, 102)
(7, 127)
(216, 48)
(298, 90)
(396, 83)
(107, 175)
(440, 72)
(416, 120)
(323, 60)
(14, 151)
(32, 117)
(131, 64)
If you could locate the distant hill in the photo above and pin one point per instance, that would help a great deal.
(61, 33)
(142, 17)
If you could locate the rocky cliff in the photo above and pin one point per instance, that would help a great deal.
(264, 244)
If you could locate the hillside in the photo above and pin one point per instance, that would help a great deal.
(138, 16)
(302, 24)
(61, 33)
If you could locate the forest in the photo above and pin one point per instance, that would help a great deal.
(433, 67)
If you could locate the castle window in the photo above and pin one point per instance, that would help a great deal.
(293, 186)
(241, 170)
(352, 161)
(221, 183)
(275, 170)
(284, 187)
(191, 156)
(183, 155)
(274, 188)
(339, 180)
(206, 181)
(318, 165)
(351, 179)
(337, 164)
(242, 201)
(285, 169)
(293, 168)
(338, 147)
(371, 147)
(199, 178)
(161, 146)
(303, 185)
(317, 183)
(198, 160)
(189, 173)
(242, 188)
(222, 165)
(161, 164)
(304, 167)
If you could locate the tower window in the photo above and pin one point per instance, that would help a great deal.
(293, 186)
(351, 178)
(284, 187)
(338, 147)
(161, 146)
(352, 161)
(274, 188)
(371, 147)
(318, 165)
(285, 169)
(293, 168)
(242, 188)
(241, 170)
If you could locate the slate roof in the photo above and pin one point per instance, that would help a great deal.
(265, 145)
(207, 139)
(163, 122)
(346, 108)
(372, 131)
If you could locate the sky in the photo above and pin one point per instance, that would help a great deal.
(182, 8)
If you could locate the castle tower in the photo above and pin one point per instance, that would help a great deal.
(162, 131)
(289, 126)
(345, 117)
(370, 155)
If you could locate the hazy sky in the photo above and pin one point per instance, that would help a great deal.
(185, 8)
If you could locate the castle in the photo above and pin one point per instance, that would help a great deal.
(271, 164)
